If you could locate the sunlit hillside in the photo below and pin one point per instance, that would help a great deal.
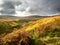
(45, 31)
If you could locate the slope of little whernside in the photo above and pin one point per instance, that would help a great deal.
(44, 31)
(42, 24)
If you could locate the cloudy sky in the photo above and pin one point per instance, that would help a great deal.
(29, 7)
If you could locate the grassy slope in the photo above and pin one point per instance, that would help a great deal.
(41, 32)
(7, 25)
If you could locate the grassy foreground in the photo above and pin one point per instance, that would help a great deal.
(45, 31)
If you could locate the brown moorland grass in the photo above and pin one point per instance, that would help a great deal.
(39, 26)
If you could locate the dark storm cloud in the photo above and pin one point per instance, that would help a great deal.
(44, 7)
(8, 7)
(39, 7)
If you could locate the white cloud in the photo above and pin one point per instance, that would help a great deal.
(1, 2)
(22, 14)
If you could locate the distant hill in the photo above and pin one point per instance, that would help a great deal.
(36, 16)
(6, 16)
(32, 16)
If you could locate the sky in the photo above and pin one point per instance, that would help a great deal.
(29, 7)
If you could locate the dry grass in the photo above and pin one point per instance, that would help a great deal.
(36, 28)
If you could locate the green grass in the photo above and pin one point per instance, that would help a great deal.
(50, 37)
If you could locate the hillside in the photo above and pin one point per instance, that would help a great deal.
(43, 31)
